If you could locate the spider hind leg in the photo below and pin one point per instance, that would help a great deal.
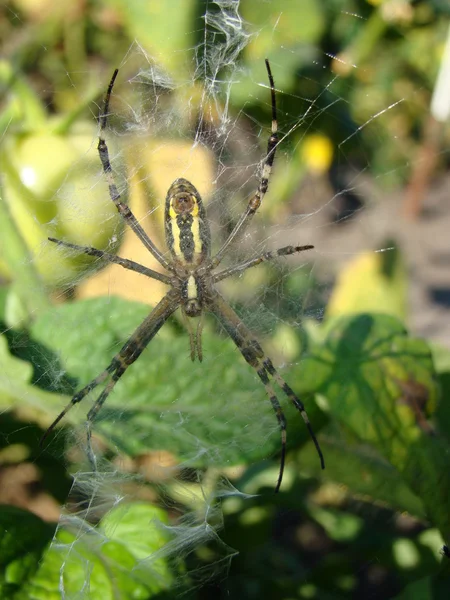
(195, 339)
(79, 396)
(268, 365)
(281, 422)
(129, 353)
(251, 350)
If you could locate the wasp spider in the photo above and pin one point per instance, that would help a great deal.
(191, 278)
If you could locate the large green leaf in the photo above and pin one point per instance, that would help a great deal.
(113, 561)
(380, 384)
(215, 412)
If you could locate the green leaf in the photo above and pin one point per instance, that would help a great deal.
(22, 104)
(428, 588)
(16, 257)
(15, 389)
(441, 359)
(380, 384)
(419, 590)
(287, 34)
(126, 523)
(361, 470)
(112, 561)
(214, 412)
(165, 29)
(22, 541)
(288, 23)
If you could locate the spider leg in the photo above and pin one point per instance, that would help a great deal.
(198, 337)
(192, 340)
(255, 201)
(123, 359)
(266, 256)
(254, 355)
(195, 339)
(281, 420)
(123, 209)
(296, 402)
(112, 258)
(94, 411)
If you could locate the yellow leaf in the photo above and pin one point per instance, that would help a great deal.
(372, 282)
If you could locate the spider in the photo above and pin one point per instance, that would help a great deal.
(191, 280)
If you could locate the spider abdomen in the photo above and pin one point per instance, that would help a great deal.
(187, 232)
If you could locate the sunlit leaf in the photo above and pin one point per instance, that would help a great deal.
(380, 384)
(112, 561)
(371, 282)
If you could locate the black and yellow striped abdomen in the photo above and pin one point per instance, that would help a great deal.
(187, 232)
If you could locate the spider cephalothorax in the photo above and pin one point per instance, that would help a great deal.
(191, 280)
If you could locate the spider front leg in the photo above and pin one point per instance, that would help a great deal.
(253, 262)
(113, 258)
(254, 355)
(121, 361)
(122, 208)
(257, 198)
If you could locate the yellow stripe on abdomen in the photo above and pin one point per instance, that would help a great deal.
(187, 232)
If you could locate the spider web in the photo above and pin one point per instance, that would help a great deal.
(190, 436)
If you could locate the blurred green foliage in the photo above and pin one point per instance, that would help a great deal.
(371, 525)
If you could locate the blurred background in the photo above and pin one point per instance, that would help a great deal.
(359, 326)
